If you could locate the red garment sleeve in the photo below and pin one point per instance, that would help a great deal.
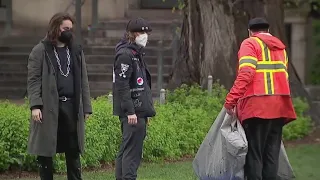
(247, 56)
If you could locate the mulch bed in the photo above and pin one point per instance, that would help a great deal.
(313, 138)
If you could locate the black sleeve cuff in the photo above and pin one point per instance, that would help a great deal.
(36, 107)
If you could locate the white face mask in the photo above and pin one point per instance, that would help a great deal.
(142, 40)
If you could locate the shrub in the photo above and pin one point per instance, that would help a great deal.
(300, 127)
(13, 135)
(178, 129)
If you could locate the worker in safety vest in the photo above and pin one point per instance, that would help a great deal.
(260, 97)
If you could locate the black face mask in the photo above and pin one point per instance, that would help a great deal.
(65, 37)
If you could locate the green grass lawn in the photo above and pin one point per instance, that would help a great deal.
(305, 160)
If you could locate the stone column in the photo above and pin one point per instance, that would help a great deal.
(298, 49)
(297, 18)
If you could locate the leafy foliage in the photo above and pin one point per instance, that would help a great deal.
(178, 129)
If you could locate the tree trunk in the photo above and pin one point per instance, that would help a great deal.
(211, 34)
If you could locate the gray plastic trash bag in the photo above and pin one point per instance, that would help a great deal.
(221, 155)
(285, 171)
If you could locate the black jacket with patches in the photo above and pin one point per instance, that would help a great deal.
(131, 82)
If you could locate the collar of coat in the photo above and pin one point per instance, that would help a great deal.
(75, 49)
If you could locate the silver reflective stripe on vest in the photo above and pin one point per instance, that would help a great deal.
(251, 61)
(271, 66)
(265, 49)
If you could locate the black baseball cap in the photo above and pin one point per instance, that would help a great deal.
(138, 25)
(258, 23)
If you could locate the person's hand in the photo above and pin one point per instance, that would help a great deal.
(231, 112)
(132, 119)
(86, 116)
(148, 121)
(36, 115)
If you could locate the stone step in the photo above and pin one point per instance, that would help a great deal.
(9, 57)
(27, 35)
(93, 76)
(163, 33)
(112, 41)
(20, 83)
(13, 67)
(18, 89)
(97, 39)
(121, 24)
(22, 58)
(19, 93)
(13, 76)
(21, 40)
(96, 93)
(107, 86)
(109, 59)
(314, 92)
(107, 68)
(88, 50)
(94, 85)
(29, 42)
(12, 92)
(161, 29)
(24, 48)
(110, 50)
(14, 83)
(107, 77)
(92, 68)
(154, 14)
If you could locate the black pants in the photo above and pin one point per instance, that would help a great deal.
(130, 153)
(67, 142)
(264, 140)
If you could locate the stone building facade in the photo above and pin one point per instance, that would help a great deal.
(36, 13)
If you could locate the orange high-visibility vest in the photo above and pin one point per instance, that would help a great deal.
(271, 76)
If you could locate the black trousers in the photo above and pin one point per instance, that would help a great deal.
(67, 142)
(264, 141)
(130, 153)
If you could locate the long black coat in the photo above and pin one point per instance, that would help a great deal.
(42, 91)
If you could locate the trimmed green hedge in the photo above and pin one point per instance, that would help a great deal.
(178, 129)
